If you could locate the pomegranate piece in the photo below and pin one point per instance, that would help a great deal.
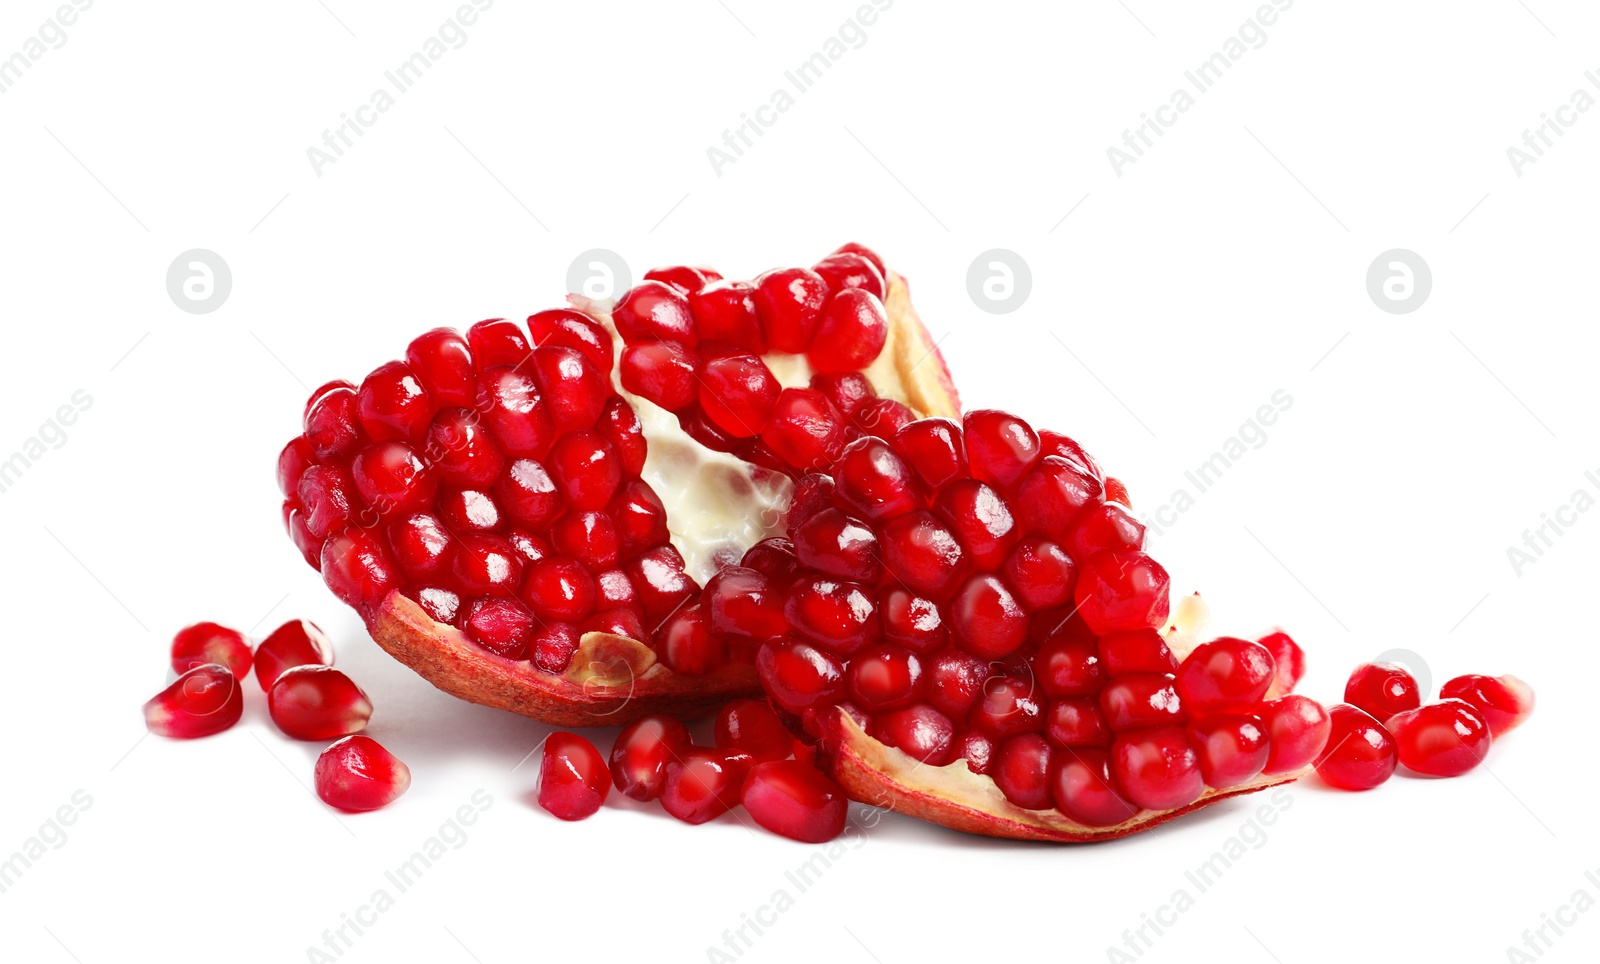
(203, 701)
(1505, 702)
(205, 643)
(1443, 739)
(750, 726)
(640, 755)
(1382, 689)
(1297, 728)
(318, 703)
(795, 800)
(297, 642)
(1360, 753)
(573, 777)
(357, 774)
(702, 784)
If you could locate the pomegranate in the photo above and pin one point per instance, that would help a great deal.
(1360, 752)
(640, 755)
(1382, 690)
(297, 642)
(573, 778)
(203, 701)
(1505, 702)
(1443, 739)
(318, 703)
(205, 643)
(526, 515)
(357, 773)
(973, 636)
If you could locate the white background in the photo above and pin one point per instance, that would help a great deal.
(1225, 265)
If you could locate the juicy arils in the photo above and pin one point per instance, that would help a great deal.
(502, 514)
(970, 628)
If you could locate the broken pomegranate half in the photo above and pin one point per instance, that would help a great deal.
(525, 515)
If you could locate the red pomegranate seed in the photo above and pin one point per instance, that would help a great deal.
(1140, 700)
(1382, 689)
(848, 391)
(794, 800)
(987, 619)
(205, 643)
(1360, 753)
(1139, 651)
(553, 645)
(744, 603)
(703, 784)
(919, 731)
(658, 574)
(685, 645)
(640, 755)
(738, 394)
(1009, 706)
(725, 311)
(849, 269)
(203, 701)
(680, 276)
(934, 449)
(1226, 674)
(1505, 702)
(1066, 666)
(912, 621)
(561, 588)
(498, 342)
(836, 545)
(357, 569)
(565, 328)
(504, 627)
(799, 676)
(790, 302)
(573, 777)
(422, 546)
(1021, 769)
(1103, 526)
(586, 470)
(956, 682)
(392, 404)
(865, 252)
(391, 479)
(326, 493)
(1000, 446)
(575, 393)
(461, 451)
(851, 333)
(806, 430)
(442, 363)
(1041, 573)
(873, 482)
(297, 642)
(1052, 496)
(1288, 657)
(1233, 748)
(654, 311)
(837, 615)
(1082, 788)
(882, 417)
(662, 371)
(1076, 721)
(1297, 729)
(981, 521)
(357, 774)
(751, 727)
(1158, 768)
(332, 424)
(512, 407)
(318, 703)
(1121, 591)
(589, 537)
(884, 677)
(1443, 739)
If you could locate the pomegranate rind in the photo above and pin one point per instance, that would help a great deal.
(955, 797)
(613, 680)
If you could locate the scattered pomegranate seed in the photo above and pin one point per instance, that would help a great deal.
(318, 703)
(205, 643)
(1382, 689)
(1443, 739)
(751, 727)
(1298, 729)
(703, 784)
(357, 774)
(1505, 702)
(573, 777)
(203, 701)
(297, 642)
(640, 755)
(794, 800)
(1360, 753)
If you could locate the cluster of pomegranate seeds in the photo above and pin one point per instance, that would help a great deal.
(966, 591)
(494, 477)
(1384, 724)
(357, 774)
(306, 697)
